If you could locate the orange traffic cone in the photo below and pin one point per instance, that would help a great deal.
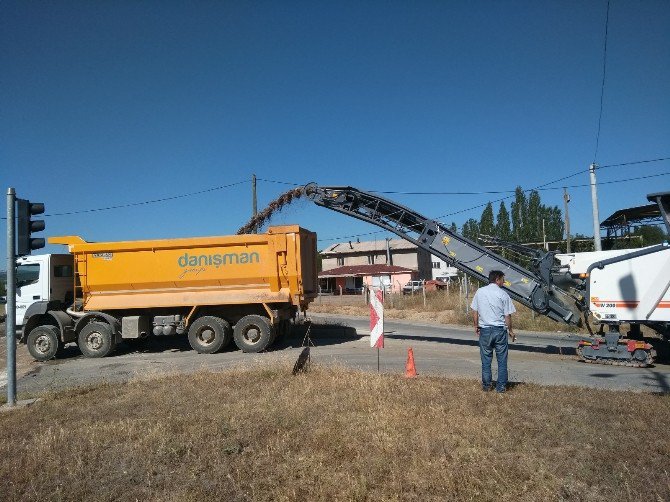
(410, 369)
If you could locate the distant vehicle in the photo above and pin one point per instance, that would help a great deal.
(412, 287)
(3, 300)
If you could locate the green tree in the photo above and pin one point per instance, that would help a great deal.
(532, 228)
(471, 229)
(503, 228)
(453, 227)
(650, 234)
(486, 223)
(554, 224)
(519, 214)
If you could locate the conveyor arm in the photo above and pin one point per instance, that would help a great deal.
(533, 289)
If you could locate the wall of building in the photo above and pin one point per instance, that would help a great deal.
(442, 269)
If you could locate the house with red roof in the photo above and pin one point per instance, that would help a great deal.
(348, 267)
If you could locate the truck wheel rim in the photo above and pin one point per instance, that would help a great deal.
(252, 334)
(206, 335)
(94, 341)
(43, 344)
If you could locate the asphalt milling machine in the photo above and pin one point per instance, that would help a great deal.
(608, 288)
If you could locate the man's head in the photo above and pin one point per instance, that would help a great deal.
(497, 277)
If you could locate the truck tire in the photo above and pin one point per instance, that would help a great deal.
(96, 340)
(209, 334)
(44, 343)
(253, 333)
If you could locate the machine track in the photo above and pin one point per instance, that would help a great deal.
(631, 363)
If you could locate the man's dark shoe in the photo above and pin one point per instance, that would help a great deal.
(487, 388)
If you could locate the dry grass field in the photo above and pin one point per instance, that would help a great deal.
(260, 434)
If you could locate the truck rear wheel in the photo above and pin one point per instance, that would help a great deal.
(253, 333)
(96, 340)
(43, 342)
(209, 334)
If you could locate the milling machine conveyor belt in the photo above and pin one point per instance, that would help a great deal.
(533, 289)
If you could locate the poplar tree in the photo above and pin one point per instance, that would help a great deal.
(471, 229)
(533, 224)
(503, 230)
(519, 214)
(554, 224)
(486, 223)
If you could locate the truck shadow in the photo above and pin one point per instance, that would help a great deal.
(513, 346)
(321, 334)
(332, 334)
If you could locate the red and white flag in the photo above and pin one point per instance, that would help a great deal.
(376, 319)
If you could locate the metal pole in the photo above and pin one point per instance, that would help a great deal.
(594, 202)
(566, 199)
(254, 201)
(11, 299)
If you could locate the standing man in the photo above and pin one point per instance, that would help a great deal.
(492, 309)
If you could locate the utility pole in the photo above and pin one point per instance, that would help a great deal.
(10, 324)
(566, 199)
(254, 201)
(594, 202)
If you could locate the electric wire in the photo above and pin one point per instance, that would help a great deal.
(142, 203)
(633, 163)
(602, 85)
(328, 239)
(491, 192)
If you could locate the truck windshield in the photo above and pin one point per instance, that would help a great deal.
(27, 274)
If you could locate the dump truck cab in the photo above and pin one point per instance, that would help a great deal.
(43, 282)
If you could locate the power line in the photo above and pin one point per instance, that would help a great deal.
(602, 85)
(489, 192)
(509, 197)
(280, 182)
(153, 201)
(633, 163)
(539, 188)
(560, 188)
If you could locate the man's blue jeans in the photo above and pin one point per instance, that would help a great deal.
(490, 338)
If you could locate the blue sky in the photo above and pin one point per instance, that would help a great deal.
(114, 103)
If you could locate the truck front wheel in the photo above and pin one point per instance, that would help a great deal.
(253, 333)
(43, 343)
(96, 340)
(209, 334)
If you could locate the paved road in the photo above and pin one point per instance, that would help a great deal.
(439, 350)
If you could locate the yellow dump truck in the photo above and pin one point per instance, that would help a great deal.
(246, 288)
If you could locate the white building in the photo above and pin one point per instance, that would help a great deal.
(442, 271)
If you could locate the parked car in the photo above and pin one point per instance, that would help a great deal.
(412, 287)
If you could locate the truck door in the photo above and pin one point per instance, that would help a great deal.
(31, 287)
(61, 285)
